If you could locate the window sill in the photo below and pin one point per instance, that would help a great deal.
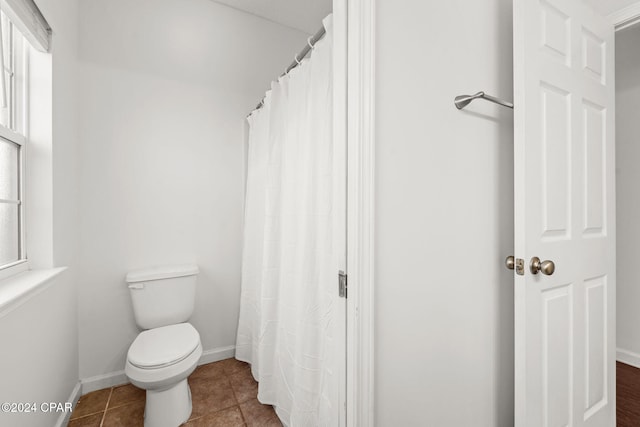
(17, 289)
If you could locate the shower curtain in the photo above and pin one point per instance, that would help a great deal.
(289, 284)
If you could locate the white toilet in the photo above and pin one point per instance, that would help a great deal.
(167, 352)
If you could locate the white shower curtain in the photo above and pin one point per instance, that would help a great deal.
(289, 285)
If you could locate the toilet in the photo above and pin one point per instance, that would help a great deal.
(168, 350)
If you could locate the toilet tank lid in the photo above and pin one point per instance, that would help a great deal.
(164, 272)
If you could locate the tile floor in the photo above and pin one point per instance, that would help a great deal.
(223, 394)
(628, 395)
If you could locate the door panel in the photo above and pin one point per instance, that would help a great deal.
(556, 166)
(564, 212)
(595, 345)
(556, 353)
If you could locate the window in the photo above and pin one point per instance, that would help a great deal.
(12, 144)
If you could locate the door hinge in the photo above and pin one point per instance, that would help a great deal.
(342, 284)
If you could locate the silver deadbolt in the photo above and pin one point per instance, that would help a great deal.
(510, 262)
(545, 267)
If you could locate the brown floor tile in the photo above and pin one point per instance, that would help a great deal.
(270, 422)
(126, 394)
(258, 415)
(223, 394)
(88, 421)
(244, 386)
(210, 370)
(210, 396)
(91, 403)
(231, 417)
(232, 366)
(131, 415)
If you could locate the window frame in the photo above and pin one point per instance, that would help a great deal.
(8, 134)
(18, 140)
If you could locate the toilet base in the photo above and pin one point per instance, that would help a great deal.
(168, 407)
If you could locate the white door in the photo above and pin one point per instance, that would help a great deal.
(564, 212)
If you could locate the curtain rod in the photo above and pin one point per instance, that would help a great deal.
(311, 43)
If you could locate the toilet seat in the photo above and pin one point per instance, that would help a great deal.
(165, 346)
(163, 377)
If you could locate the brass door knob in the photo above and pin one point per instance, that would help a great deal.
(545, 267)
(510, 262)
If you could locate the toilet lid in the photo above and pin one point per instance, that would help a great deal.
(163, 346)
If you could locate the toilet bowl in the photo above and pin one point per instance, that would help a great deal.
(163, 355)
(159, 361)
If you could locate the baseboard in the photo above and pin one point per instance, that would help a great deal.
(628, 357)
(63, 419)
(111, 379)
(103, 381)
(217, 354)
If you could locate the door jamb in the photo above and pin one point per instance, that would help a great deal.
(360, 212)
(621, 19)
(625, 17)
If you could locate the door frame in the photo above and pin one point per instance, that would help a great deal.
(361, 202)
(625, 17)
(360, 212)
(621, 19)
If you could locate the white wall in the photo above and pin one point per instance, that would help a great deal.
(63, 17)
(628, 197)
(39, 355)
(165, 87)
(444, 215)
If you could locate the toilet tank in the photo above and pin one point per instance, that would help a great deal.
(162, 296)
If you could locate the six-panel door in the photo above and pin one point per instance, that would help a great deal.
(564, 212)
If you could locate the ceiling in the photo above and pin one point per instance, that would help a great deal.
(307, 15)
(303, 15)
